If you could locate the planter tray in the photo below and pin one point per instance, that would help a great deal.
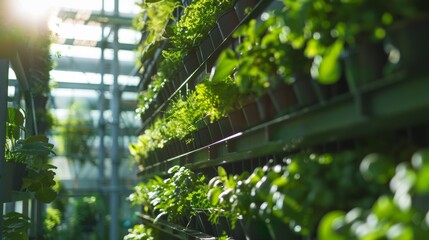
(175, 230)
(191, 79)
(382, 105)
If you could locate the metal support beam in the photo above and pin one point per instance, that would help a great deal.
(97, 44)
(114, 179)
(4, 77)
(95, 18)
(102, 132)
(90, 65)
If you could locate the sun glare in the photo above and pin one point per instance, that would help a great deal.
(32, 10)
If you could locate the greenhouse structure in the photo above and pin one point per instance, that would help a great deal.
(214, 119)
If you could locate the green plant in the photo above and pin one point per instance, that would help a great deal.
(143, 194)
(51, 222)
(402, 9)
(74, 134)
(141, 232)
(229, 196)
(400, 214)
(197, 20)
(15, 226)
(325, 28)
(263, 56)
(210, 100)
(152, 21)
(180, 195)
(33, 152)
(297, 193)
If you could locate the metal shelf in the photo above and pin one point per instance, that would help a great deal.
(95, 18)
(174, 230)
(390, 103)
(193, 78)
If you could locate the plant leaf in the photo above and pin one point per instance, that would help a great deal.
(329, 68)
(46, 195)
(213, 195)
(225, 65)
(221, 172)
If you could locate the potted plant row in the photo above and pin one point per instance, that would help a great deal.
(287, 198)
(301, 190)
(195, 24)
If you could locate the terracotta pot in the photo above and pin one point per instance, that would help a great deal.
(255, 229)
(225, 127)
(363, 63)
(243, 6)
(237, 121)
(266, 107)
(227, 23)
(13, 173)
(191, 62)
(206, 47)
(202, 137)
(411, 37)
(283, 97)
(203, 224)
(251, 113)
(305, 91)
(216, 36)
(215, 131)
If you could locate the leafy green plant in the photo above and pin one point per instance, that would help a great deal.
(51, 222)
(229, 196)
(402, 10)
(177, 197)
(15, 226)
(326, 28)
(143, 194)
(297, 193)
(400, 214)
(141, 232)
(263, 56)
(85, 214)
(180, 194)
(33, 152)
(210, 100)
(152, 20)
(197, 20)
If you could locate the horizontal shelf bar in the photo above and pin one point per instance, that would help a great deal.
(175, 230)
(97, 44)
(78, 64)
(85, 86)
(94, 17)
(390, 104)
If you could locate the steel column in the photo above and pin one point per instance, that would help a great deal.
(114, 106)
(4, 78)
